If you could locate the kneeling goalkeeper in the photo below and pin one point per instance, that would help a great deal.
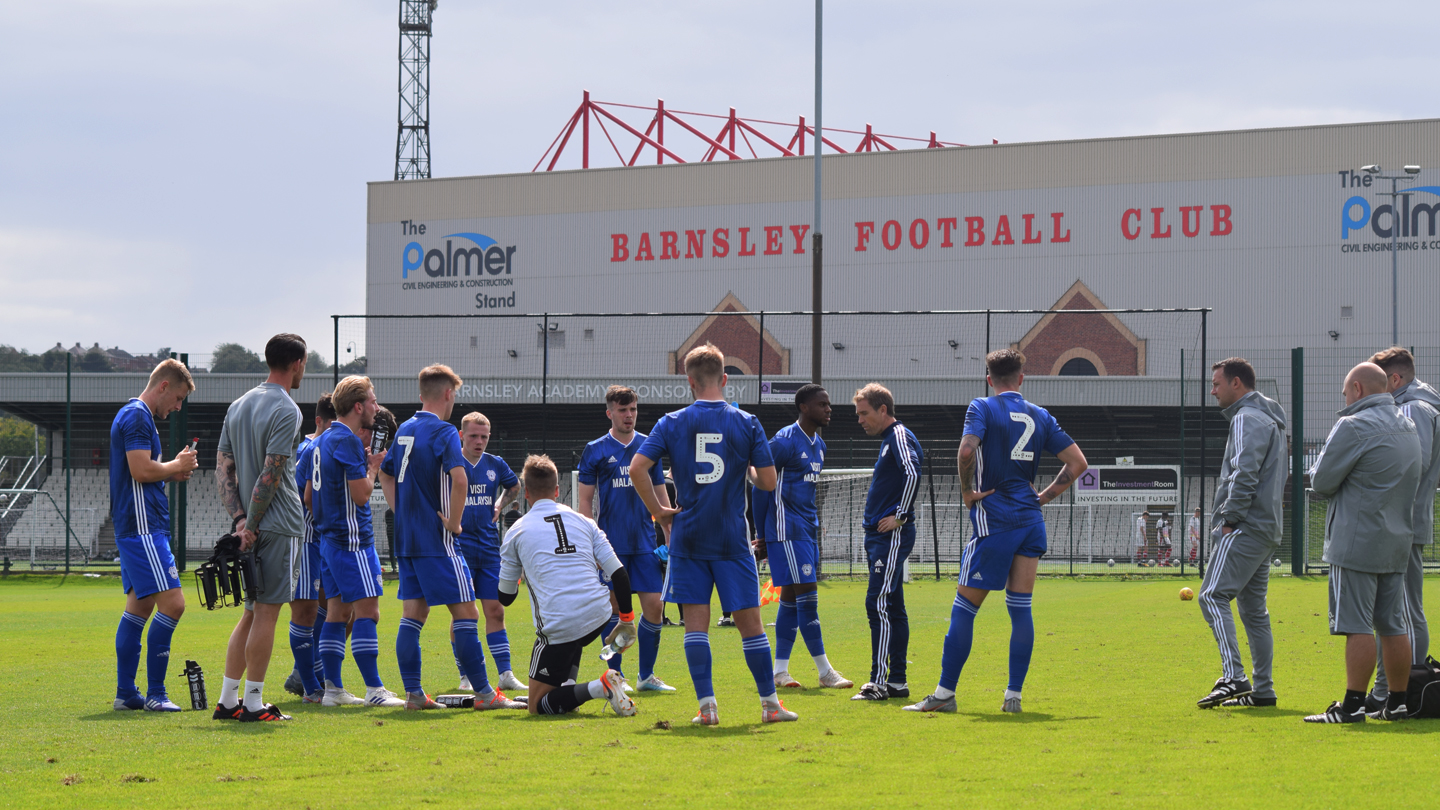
(557, 550)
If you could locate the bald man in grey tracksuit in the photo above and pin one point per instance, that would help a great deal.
(1246, 520)
(1421, 404)
(1369, 469)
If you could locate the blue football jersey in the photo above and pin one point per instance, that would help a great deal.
(762, 513)
(605, 464)
(136, 509)
(1012, 433)
(304, 467)
(711, 445)
(338, 457)
(798, 461)
(426, 449)
(488, 476)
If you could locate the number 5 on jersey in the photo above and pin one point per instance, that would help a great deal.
(717, 464)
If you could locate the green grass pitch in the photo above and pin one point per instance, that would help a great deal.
(1110, 720)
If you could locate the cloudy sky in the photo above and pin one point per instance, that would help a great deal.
(181, 173)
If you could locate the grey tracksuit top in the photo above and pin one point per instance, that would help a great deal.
(1251, 490)
(1369, 468)
(1421, 403)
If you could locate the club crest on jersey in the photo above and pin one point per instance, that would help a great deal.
(174, 572)
(490, 474)
(805, 569)
(884, 449)
(379, 581)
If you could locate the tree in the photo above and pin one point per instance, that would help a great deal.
(95, 361)
(17, 437)
(356, 366)
(13, 359)
(315, 364)
(232, 358)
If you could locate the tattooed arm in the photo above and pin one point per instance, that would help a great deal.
(1075, 463)
(969, 446)
(229, 489)
(272, 474)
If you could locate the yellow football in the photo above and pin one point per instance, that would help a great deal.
(1186, 594)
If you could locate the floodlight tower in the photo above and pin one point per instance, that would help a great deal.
(412, 139)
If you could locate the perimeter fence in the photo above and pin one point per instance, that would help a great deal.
(1131, 386)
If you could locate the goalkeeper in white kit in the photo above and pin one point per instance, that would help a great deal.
(558, 550)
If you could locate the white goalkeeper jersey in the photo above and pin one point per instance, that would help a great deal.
(558, 551)
(1194, 528)
(1141, 532)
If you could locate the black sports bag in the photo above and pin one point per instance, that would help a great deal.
(1422, 698)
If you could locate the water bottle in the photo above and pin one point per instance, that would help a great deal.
(196, 678)
(608, 651)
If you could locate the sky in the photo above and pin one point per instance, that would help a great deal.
(181, 174)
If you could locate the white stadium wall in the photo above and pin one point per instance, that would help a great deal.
(1271, 229)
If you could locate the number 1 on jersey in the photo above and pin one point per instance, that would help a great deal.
(1018, 452)
(564, 546)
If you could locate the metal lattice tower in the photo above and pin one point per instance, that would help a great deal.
(412, 139)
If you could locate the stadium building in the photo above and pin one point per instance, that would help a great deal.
(529, 286)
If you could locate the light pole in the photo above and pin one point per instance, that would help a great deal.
(817, 249)
(1395, 222)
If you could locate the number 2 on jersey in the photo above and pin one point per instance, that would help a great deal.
(564, 546)
(717, 464)
(1018, 452)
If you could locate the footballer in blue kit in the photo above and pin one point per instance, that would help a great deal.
(788, 521)
(342, 479)
(425, 483)
(889, 538)
(141, 515)
(606, 495)
(712, 447)
(492, 486)
(998, 460)
(307, 585)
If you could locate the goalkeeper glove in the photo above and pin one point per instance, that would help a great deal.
(623, 637)
(663, 552)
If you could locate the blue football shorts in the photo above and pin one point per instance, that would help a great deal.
(644, 570)
(691, 582)
(485, 574)
(307, 585)
(351, 575)
(792, 563)
(986, 562)
(437, 580)
(146, 565)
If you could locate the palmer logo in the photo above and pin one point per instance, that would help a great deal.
(1415, 219)
(467, 260)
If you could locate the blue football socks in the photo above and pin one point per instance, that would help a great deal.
(302, 646)
(786, 624)
(365, 649)
(957, 642)
(1022, 637)
(470, 654)
(319, 625)
(127, 654)
(649, 645)
(499, 644)
(807, 608)
(332, 651)
(616, 661)
(407, 653)
(757, 657)
(697, 656)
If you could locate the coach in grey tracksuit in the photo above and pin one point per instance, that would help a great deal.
(1369, 469)
(1421, 404)
(1246, 523)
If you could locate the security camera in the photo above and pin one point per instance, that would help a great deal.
(1373, 168)
(1412, 169)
